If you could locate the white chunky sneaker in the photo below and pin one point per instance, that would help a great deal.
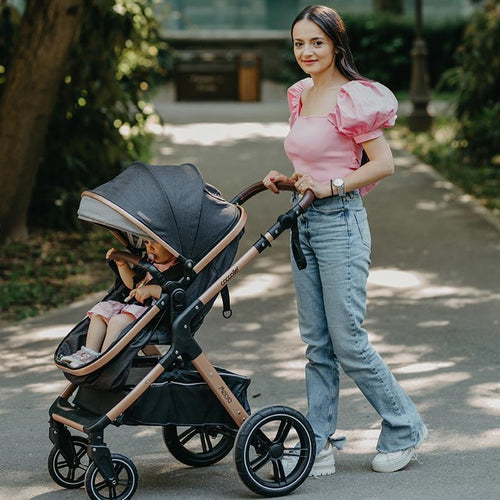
(391, 462)
(324, 463)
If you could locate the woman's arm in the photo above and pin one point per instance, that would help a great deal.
(380, 165)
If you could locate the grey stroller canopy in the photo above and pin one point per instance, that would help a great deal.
(170, 204)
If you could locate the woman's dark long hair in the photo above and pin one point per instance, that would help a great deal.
(331, 23)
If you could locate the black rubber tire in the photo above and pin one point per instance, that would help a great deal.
(197, 446)
(70, 476)
(264, 440)
(96, 486)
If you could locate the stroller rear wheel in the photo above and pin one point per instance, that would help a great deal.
(69, 474)
(126, 474)
(197, 445)
(275, 450)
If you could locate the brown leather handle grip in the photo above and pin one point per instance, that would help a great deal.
(258, 187)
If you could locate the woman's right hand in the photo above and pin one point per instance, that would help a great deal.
(272, 178)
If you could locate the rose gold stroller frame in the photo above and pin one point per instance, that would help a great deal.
(63, 414)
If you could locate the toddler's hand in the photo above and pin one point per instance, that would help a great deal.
(119, 262)
(143, 293)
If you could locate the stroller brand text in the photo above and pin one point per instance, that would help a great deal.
(225, 394)
(231, 275)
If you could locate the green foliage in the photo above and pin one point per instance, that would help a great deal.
(465, 149)
(99, 121)
(51, 269)
(479, 135)
(443, 151)
(9, 21)
(98, 126)
(382, 44)
(477, 79)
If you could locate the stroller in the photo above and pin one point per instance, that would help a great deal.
(155, 373)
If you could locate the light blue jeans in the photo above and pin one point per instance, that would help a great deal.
(331, 300)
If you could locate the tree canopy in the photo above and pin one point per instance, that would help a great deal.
(92, 84)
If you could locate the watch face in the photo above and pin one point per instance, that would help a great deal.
(338, 182)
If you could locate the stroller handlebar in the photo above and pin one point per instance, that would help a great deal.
(258, 187)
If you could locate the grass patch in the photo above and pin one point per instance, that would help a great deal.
(52, 269)
(439, 149)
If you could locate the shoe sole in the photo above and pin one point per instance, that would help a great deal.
(321, 470)
(400, 464)
(326, 471)
(394, 466)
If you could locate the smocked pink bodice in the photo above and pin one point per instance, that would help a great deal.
(330, 146)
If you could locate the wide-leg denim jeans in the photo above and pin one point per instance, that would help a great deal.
(331, 300)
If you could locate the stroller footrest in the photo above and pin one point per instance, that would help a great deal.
(68, 414)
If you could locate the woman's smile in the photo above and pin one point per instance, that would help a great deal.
(313, 49)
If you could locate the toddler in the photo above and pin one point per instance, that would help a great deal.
(109, 318)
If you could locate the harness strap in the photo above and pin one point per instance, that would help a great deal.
(298, 254)
(226, 303)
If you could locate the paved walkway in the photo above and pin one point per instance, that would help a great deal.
(433, 315)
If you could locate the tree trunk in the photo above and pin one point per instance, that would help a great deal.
(392, 6)
(33, 78)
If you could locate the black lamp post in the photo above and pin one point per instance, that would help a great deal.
(419, 119)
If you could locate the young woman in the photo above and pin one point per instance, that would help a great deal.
(335, 115)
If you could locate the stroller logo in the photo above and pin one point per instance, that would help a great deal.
(225, 394)
(230, 276)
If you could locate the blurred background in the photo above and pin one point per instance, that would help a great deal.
(81, 80)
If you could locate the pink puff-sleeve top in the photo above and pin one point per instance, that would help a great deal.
(330, 146)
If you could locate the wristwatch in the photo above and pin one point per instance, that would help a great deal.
(340, 185)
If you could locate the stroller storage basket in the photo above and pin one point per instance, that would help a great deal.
(178, 397)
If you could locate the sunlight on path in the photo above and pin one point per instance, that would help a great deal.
(211, 134)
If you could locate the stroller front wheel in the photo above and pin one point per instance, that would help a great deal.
(274, 451)
(126, 475)
(69, 474)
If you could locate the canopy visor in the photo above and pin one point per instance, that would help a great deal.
(97, 210)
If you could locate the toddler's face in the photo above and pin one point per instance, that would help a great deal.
(157, 253)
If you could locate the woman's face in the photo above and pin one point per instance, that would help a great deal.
(314, 51)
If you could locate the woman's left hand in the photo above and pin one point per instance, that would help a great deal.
(303, 182)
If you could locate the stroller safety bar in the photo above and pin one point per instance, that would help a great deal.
(137, 261)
